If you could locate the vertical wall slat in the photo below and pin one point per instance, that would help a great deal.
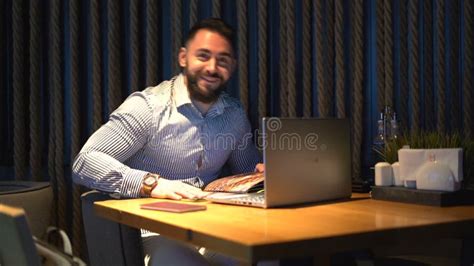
(114, 65)
(283, 64)
(306, 57)
(357, 86)
(216, 8)
(152, 40)
(52, 134)
(440, 68)
(455, 103)
(339, 59)
(243, 53)
(329, 55)
(56, 87)
(176, 32)
(323, 102)
(35, 91)
(135, 66)
(388, 55)
(193, 12)
(403, 111)
(74, 22)
(468, 77)
(428, 108)
(414, 67)
(380, 41)
(20, 137)
(262, 59)
(97, 75)
(290, 47)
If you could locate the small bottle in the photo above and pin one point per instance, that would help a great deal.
(380, 137)
(386, 121)
(394, 127)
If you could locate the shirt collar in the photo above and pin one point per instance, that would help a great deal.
(181, 92)
(182, 97)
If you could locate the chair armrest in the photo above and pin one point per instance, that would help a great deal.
(54, 256)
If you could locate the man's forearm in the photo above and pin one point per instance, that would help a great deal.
(100, 171)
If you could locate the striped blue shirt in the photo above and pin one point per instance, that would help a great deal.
(159, 130)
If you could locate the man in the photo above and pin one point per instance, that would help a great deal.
(171, 140)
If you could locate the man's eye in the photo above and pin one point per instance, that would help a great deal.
(203, 57)
(224, 62)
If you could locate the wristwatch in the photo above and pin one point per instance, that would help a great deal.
(149, 183)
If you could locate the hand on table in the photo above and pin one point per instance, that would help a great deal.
(174, 189)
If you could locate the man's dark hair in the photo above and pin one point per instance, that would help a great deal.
(216, 25)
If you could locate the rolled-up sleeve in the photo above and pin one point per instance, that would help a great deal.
(100, 163)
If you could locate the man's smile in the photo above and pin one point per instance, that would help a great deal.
(210, 79)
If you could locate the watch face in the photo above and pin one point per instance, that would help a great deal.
(149, 180)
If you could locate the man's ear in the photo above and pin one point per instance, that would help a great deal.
(182, 57)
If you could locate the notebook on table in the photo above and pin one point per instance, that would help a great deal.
(306, 160)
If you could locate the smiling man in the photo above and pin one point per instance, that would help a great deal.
(166, 141)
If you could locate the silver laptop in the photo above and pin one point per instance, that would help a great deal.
(306, 160)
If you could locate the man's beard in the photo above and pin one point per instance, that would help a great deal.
(196, 93)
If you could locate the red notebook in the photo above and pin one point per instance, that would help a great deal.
(172, 206)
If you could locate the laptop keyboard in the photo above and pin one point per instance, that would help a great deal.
(253, 199)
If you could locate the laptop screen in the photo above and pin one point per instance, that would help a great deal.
(306, 160)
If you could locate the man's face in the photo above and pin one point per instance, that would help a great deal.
(208, 63)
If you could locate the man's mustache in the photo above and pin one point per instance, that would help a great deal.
(215, 75)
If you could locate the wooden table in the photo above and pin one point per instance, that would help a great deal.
(253, 234)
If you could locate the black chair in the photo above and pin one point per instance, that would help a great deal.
(108, 242)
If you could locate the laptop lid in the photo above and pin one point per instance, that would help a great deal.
(306, 160)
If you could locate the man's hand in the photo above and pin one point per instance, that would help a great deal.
(171, 189)
(260, 167)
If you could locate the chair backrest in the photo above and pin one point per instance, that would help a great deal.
(108, 242)
(35, 198)
(16, 243)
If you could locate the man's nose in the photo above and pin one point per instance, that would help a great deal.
(212, 65)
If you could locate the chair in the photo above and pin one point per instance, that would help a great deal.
(35, 198)
(16, 243)
(19, 247)
(108, 242)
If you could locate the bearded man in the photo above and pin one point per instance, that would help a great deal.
(170, 140)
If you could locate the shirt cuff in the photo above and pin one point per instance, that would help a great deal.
(132, 183)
